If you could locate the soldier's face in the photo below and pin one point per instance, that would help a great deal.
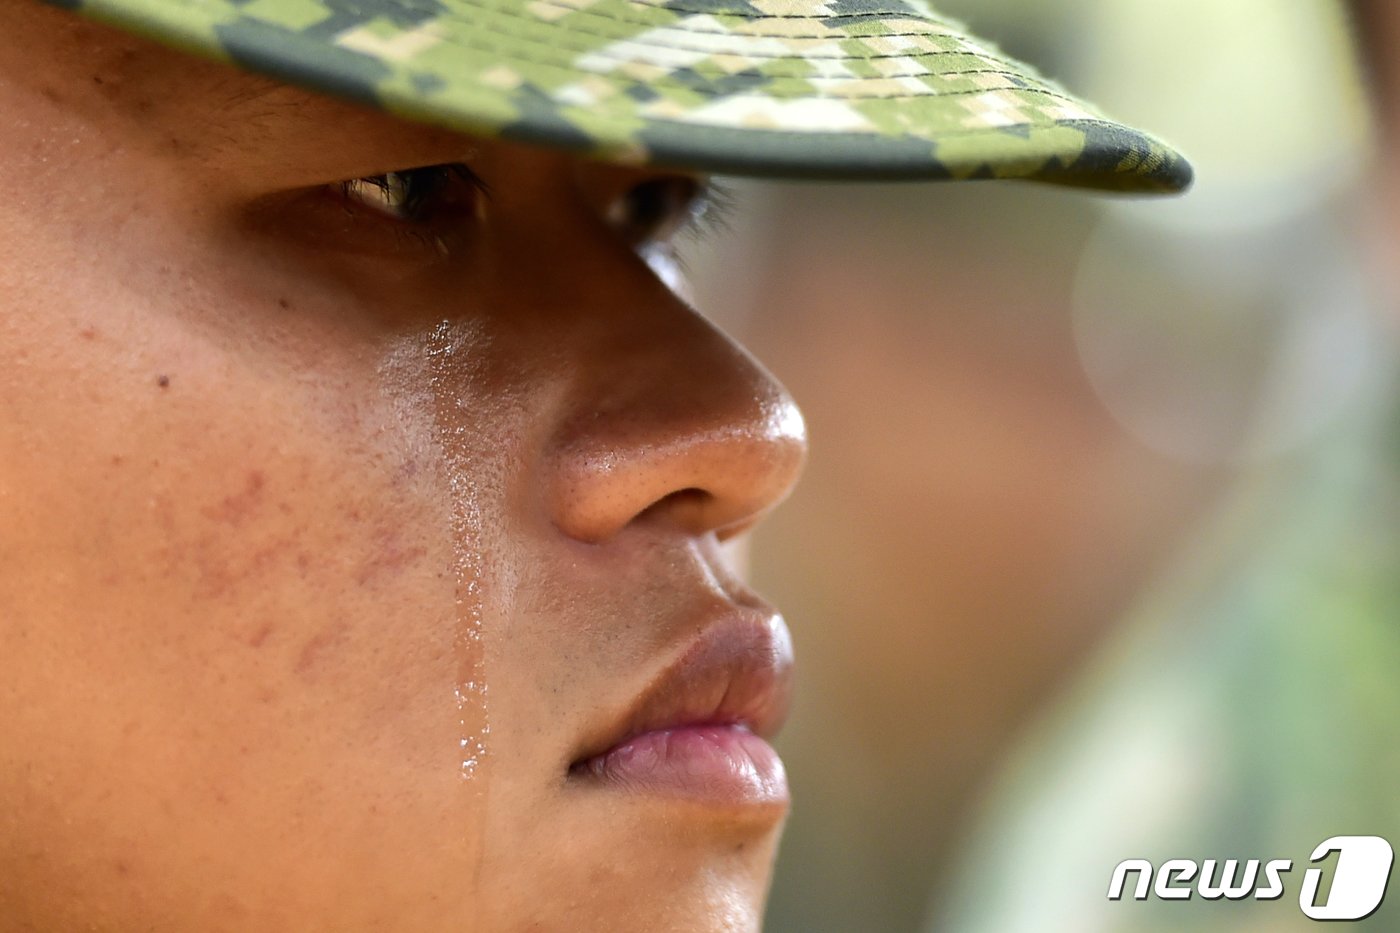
(360, 540)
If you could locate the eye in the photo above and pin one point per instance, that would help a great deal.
(657, 209)
(419, 195)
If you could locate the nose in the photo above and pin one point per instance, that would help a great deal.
(674, 423)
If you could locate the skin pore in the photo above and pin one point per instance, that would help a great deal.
(340, 519)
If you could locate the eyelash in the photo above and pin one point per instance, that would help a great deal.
(714, 212)
(697, 210)
(417, 195)
(428, 194)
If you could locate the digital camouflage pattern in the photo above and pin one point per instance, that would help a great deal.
(810, 88)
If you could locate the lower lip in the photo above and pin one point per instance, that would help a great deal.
(725, 765)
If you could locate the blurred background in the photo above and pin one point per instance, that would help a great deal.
(1098, 552)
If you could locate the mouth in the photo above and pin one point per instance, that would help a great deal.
(701, 730)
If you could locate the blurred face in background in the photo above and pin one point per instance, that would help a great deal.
(362, 499)
(1378, 36)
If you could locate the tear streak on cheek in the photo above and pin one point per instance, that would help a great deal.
(431, 378)
(447, 357)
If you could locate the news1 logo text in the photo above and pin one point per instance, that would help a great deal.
(1358, 879)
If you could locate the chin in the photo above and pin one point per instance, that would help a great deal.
(603, 860)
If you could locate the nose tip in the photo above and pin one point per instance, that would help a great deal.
(707, 442)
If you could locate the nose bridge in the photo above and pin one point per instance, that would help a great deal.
(666, 419)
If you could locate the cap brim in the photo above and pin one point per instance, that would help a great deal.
(850, 89)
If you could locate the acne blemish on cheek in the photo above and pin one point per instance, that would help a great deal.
(317, 648)
(259, 637)
(237, 507)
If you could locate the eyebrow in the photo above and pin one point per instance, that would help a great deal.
(242, 111)
(241, 89)
(251, 100)
(236, 91)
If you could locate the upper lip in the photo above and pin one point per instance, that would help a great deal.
(737, 672)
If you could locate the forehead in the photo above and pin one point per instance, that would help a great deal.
(138, 93)
(212, 113)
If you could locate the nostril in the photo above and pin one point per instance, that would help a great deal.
(687, 509)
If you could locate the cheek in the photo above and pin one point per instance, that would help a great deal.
(228, 621)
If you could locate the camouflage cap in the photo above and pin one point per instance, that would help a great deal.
(796, 88)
